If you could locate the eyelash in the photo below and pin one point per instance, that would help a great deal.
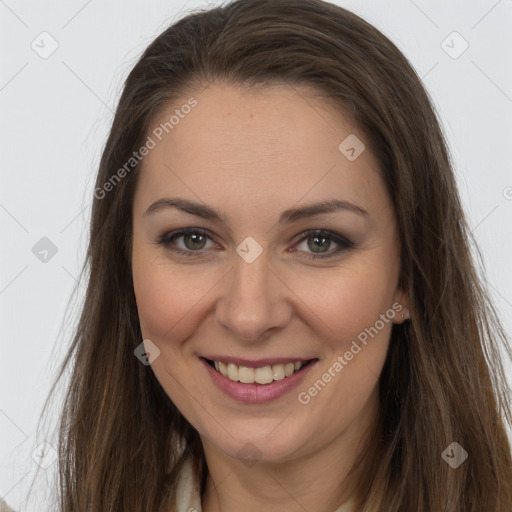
(343, 243)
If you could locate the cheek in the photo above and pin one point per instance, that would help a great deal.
(345, 301)
(168, 296)
(356, 318)
(168, 303)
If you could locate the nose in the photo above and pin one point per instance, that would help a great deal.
(255, 301)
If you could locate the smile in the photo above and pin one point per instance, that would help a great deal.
(260, 375)
(256, 382)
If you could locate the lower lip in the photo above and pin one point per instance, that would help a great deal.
(257, 393)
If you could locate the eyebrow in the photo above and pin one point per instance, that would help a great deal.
(288, 216)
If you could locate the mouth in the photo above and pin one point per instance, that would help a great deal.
(262, 375)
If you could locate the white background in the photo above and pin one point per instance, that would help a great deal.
(55, 115)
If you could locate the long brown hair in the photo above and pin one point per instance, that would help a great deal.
(122, 440)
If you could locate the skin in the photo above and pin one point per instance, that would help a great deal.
(251, 155)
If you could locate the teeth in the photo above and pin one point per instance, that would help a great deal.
(278, 371)
(245, 375)
(223, 369)
(233, 372)
(289, 368)
(263, 375)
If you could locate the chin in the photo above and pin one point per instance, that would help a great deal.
(261, 441)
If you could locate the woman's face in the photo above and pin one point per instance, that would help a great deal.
(257, 285)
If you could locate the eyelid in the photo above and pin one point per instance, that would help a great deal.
(343, 242)
(166, 239)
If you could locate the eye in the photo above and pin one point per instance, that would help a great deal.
(318, 243)
(187, 241)
(315, 244)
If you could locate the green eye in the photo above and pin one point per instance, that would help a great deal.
(194, 241)
(190, 241)
(318, 242)
(315, 244)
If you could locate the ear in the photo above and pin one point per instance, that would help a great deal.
(401, 304)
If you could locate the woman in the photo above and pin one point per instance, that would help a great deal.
(282, 310)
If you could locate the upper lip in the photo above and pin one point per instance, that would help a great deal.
(257, 363)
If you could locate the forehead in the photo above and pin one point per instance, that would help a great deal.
(274, 144)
